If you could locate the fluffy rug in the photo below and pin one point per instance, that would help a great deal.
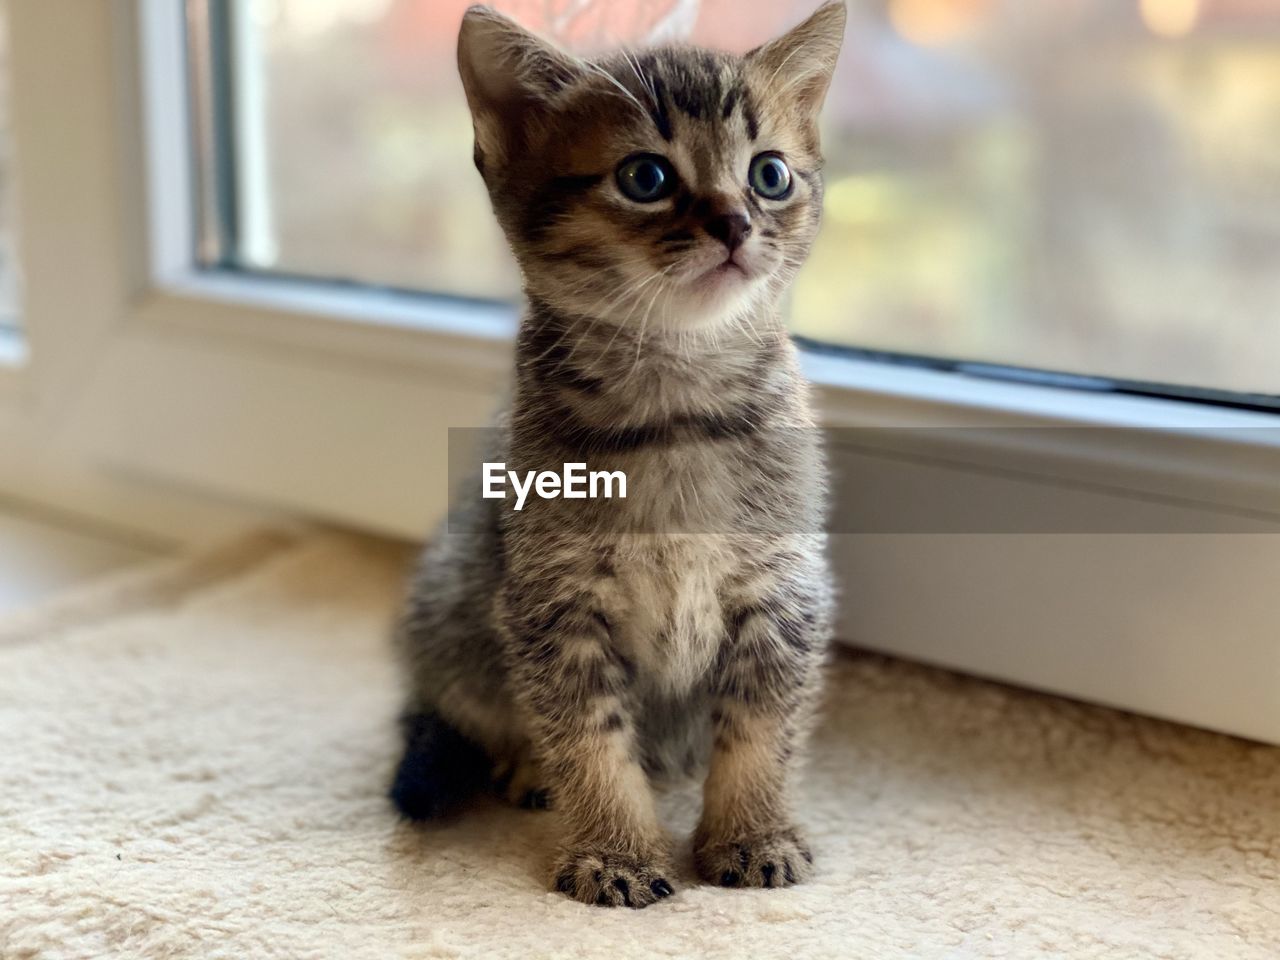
(194, 759)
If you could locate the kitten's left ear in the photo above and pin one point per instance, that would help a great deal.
(798, 65)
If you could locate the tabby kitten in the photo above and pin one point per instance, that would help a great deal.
(578, 652)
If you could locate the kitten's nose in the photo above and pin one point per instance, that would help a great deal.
(731, 229)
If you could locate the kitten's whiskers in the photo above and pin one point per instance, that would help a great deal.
(644, 322)
(645, 83)
(596, 68)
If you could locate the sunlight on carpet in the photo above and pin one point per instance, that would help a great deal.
(195, 761)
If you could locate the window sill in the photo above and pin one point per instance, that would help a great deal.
(336, 322)
(399, 326)
(936, 398)
(1209, 456)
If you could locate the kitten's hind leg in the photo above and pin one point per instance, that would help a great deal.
(440, 768)
(520, 781)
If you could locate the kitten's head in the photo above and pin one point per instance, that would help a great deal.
(675, 187)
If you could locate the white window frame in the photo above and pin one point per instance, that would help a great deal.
(335, 403)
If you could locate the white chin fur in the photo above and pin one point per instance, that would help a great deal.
(695, 298)
(689, 302)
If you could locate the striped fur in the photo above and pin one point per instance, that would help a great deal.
(592, 649)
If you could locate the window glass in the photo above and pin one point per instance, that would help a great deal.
(1089, 186)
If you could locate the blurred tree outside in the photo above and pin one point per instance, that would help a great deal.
(1080, 185)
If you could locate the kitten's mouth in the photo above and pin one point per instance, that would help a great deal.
(728, 267)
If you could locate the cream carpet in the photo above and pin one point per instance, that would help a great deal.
(193, 760)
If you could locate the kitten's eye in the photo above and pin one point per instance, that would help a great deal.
(646, 178)
(770, 176)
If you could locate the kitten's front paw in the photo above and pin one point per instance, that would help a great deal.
(594, 875)
(774, 859)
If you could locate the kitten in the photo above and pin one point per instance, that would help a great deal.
(577, 652)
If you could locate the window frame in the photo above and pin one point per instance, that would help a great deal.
(334, 401)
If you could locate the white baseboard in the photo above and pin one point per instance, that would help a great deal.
(1178, 626)
(128, 507)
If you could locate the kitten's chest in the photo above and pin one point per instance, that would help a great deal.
(688, 488)
(669, 619)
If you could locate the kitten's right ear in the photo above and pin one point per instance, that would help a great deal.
(508, 74)
(799, 64)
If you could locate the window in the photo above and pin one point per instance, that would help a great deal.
(1084, 187)
(334, 402)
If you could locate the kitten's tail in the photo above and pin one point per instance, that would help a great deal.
(440, 769)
